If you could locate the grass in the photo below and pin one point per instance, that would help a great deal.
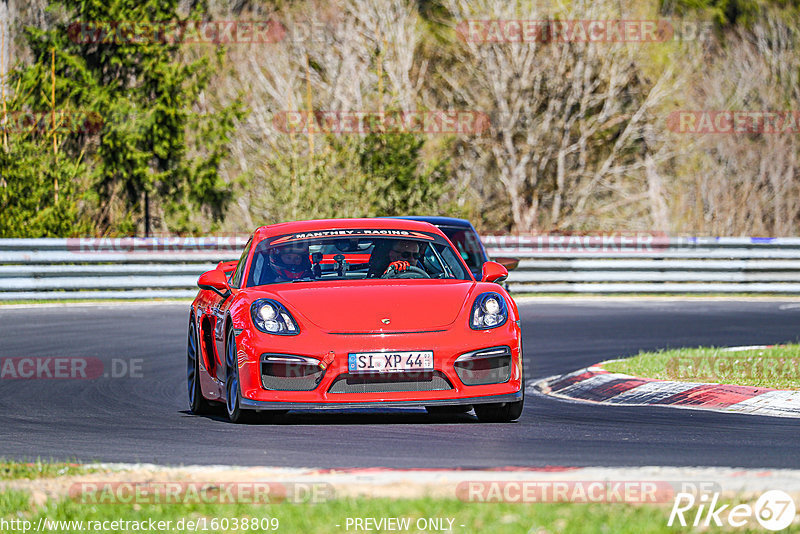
(776, 367)
(10, 470)
(20, 513)
(332, 516)
(14, 502)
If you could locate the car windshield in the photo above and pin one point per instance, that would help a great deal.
(468, 245)
(354, 254)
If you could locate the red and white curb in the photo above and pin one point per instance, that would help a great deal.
(595, 384)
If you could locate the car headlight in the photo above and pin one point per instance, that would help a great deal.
(272, 317)
(489, 311)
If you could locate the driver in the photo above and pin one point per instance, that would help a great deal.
(290, 262)
(402, 255)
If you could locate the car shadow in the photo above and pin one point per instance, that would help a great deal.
(369, 416)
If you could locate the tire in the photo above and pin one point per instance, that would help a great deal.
(449, 410)
(500, 412)
(198, 404)
(236, 414)
(504, 412)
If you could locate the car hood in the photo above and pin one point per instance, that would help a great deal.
(361, 307)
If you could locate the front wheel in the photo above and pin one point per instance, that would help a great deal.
(236, 414)
(500, 412)
(197, 403)
(504, 412)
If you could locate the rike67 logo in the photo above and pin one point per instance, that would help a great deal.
(774, 510)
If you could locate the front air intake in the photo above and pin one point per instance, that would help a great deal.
(286, 372)
(485, 366)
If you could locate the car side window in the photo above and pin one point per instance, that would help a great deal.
(466, 245)
(449, 257)
(236, 277)
(429, 261)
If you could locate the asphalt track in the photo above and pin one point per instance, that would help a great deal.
(144, 419)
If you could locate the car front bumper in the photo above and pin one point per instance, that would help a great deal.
(446, 345)
(272, 405)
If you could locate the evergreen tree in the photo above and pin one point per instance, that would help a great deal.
(157, 154)
(39, 189)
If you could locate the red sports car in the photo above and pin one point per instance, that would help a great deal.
(354, 313)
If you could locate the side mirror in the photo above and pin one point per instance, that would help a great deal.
(227, 266)
(509, 263)
(215, 281)
(493, 272)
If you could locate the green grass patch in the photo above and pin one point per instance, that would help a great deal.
(775, 367)
(112, 510)
(10, 470)
(14, 503)
(332, 516)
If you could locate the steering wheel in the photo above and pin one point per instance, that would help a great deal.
(410, 272)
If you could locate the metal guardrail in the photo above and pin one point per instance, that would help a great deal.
(125, 268)
(53, 269)
(650, 264)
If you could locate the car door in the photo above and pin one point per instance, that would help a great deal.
(219, 308)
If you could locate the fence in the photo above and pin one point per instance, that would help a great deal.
(52, 269)
(648, 264)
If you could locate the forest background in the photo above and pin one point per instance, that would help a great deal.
(106, 135)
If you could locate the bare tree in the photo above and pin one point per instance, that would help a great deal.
(745, 183)
(568, 118)
(578, 137)
(350, 55)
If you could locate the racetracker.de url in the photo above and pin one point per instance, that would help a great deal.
(195, 524)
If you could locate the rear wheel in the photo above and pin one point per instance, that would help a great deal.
(197, 403)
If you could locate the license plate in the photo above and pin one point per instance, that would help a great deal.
(389, 362)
